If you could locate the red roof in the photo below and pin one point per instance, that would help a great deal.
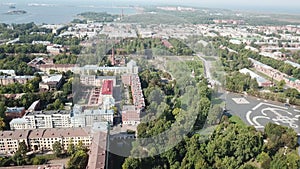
(107, 87)
(167, 44)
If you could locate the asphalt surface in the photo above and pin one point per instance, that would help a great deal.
(257, 112)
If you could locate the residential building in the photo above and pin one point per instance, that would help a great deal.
(19, 124)
(10, 140)
(42, 119)
(46, 64)
(275, 74)
(6, 80)
(130, 68)
(88, 117)
(8, 72)
(14, 112)
(52, 82)
(93, 80)
(42, 139)
(97, 153)
(262, 82)
(131, 114)
(95, 138)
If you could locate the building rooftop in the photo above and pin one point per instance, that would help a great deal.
(50, 112)
(9, 72)
(18, 121)
(260, 64)
(98, 112)
(253, 75)
(17, 134)
(14, 109)
(107, 87)
(33, 105)
(66, 132)
(97, 155)
(55, 78)
(292, 63)
(16, 77)
(37, 133)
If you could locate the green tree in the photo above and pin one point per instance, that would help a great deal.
(2, 123)
(20, 156)
(57, 148)
(78, 160)
(71, 147)
(264, 160)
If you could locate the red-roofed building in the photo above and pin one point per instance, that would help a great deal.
(167, 44)
(107, 87)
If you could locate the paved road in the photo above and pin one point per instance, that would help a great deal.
(258, 113)
(207, 70)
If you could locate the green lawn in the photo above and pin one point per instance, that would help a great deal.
(237, 120)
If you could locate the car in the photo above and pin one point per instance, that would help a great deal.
(287, 105)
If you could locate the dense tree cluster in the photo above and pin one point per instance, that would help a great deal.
(98, 16)
(153, 46)
(79, 156)
(22, 48)
(230, 146)
(15, 30)
(30, 87)
(65, 59)
(10, 62)
(238, 82)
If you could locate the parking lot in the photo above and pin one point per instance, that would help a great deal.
(258, 113)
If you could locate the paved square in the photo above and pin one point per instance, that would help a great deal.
(257, 112)
(240, 100)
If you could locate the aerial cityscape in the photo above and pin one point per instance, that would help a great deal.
(102, 85)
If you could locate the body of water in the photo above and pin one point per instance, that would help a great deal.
(56, 12)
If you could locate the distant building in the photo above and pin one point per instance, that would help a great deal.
(19, 124)
(131, 114)
(43, 139)
(130, 68)
(262, 82)
(55, 49)
(93, 80)
(275, 74)
(14, 112)
(292, 63)
(83, 118)
(46, 64)
(8, 72)
(51, 82)
(6, 80)
(45, 43)
(42, 119)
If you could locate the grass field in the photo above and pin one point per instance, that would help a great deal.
(237, 120)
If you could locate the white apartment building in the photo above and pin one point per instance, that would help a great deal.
(10, 140)
(43, 139)
(42, 119)
(90, 116)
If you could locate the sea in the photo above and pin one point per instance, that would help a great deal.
(64, 11)
(57, 11)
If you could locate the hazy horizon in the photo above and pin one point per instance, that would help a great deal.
(288, 6)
